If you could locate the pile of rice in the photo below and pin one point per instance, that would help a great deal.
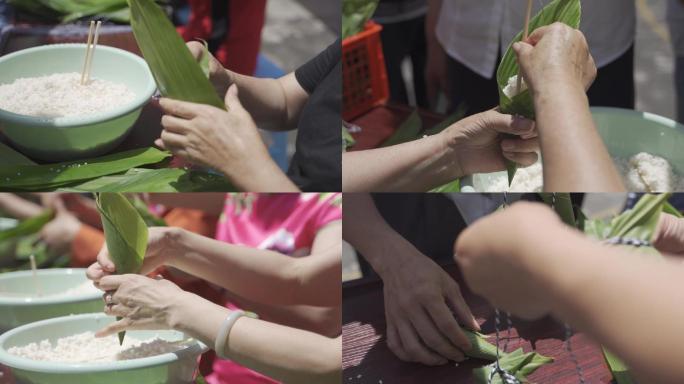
(86, 348)
(62, 95)
(642, 172)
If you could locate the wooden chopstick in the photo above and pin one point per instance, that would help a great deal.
(92, 51)
(85, 61)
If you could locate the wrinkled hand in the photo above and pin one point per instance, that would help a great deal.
(219, 77)
(141, 302)
(223, 140)
(555, 54)
(494, 263)
(669, 235)
(160, 250)
(61, 231)
(419, 299)
(481, 144)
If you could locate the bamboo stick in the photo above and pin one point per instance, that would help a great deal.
(92, 51)
(526, 34)
(34, 272)
(85, 60)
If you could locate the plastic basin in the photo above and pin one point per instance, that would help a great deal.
(71, 138)
(16, 310)
(177, 367)
(625, 133)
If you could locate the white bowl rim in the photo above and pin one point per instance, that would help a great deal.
(76, 121)
(49, 300)
(25, 364)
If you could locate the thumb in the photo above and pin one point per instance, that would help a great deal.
(522, 49)
(232, 97)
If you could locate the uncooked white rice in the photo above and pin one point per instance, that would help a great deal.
(86, 348)
(62, 95)
(642, 172)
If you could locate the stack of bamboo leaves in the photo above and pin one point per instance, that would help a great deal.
(65, 11)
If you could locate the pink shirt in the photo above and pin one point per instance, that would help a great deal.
(282, 222)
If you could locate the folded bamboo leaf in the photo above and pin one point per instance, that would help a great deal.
(481, 348)
(641, 221)
(517, 363)
(9, 156)
(355, 14)
(177, 73)
(155, 180)
(407, 131)
(51, 176)
(27, 227)
(565, 11)
(125, 233)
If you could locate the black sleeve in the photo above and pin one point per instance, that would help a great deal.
(313, 72)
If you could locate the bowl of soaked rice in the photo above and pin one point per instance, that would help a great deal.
(53, 293)
(64, 350)
(646, 149)
(48, 114)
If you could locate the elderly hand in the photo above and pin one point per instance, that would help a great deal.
(419, 300)
(481, 144)
(141, 302)
(227, 141)
(553, 55)
(220, 78)
(494, 261)
(160, 249)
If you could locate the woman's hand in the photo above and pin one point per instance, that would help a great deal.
(227, 141)
(553, 55)
(141, 302)
(161, 248)
(484, 141)
(493, 254)
(220, 78)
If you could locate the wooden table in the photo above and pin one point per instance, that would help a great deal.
(366, 358)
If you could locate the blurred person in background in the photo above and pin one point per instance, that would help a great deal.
(467, 39)
(403, 37)
(675, 18)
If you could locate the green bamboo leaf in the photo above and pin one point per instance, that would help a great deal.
(27, 227)
(618, 368)
(355, 14)
(347, 139)
(668, 208)
(50, 176)
(175, 70)
(204, 60)
(125, 233)
(564, 11)
(155, 180)
(409, 130)
(481, 348)
(641, 221)
(453, 187)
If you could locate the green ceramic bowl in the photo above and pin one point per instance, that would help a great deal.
(625, 133)
(17, 309)
(177, 367)
(71, 138)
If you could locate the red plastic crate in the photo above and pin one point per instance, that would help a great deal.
(364, 76)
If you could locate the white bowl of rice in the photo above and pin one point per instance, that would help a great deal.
(53, 293)
(64, 351)
(47, 113)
